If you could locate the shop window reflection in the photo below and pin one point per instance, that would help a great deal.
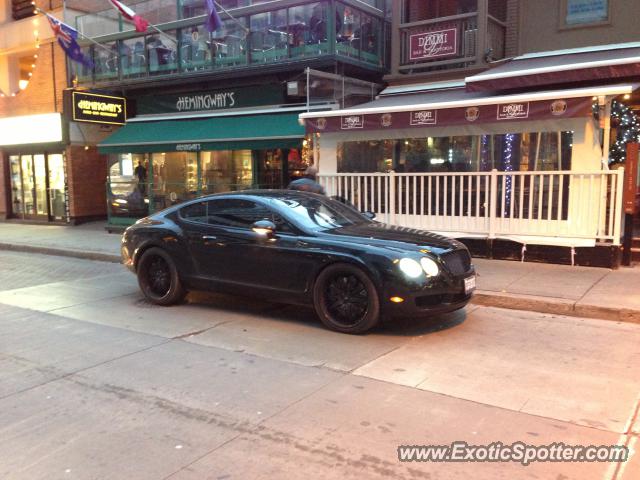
(127, 188)
(175, 178)
(226, 170)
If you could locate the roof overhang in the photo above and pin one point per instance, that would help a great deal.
(459, 107)
(594, 64)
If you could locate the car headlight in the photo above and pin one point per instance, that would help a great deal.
(410, 267)
(429, 266)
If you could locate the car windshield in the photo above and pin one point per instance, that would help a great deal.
(321, 214)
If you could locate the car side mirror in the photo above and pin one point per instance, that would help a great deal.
(369, 215)
(264, 228)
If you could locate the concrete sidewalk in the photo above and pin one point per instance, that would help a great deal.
(557, 289)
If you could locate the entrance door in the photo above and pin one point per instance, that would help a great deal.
(40, 185)
(57, 209)
(37, 186)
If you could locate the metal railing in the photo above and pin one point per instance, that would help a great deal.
(552, 204)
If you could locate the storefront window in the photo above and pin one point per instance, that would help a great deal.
(175, 178)
(17, 192)
(226, 170)
(505, 152)
(127, 192)
(38, 186)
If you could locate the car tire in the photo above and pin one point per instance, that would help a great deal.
(346, 300)
(158, 278)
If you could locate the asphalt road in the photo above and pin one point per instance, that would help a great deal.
(95, 383)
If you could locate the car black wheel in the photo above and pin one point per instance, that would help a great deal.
(346, 299)
(158, 278)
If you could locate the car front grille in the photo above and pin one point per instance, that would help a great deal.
(457, 262)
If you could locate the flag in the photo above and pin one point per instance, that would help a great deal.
(140, 23)
(68, 40)
(213, 19)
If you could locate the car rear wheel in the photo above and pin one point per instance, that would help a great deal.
(346, 299)
(158, 278)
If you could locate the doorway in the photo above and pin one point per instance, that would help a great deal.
(38, 187)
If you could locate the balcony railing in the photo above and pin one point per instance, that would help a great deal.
(259, 35)
(450, 42)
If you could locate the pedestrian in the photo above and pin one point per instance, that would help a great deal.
(141, 172)
(308, 183)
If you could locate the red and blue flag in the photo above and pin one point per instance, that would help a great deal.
(68, 40)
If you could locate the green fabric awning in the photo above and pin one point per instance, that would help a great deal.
(253, 132)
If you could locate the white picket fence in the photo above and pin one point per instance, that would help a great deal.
(551, 204)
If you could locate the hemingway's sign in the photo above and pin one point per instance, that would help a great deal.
(212, 101)
(98, 108)
(427, 45)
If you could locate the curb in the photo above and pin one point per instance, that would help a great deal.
(559, 306)
(62, 252)
(486, 298)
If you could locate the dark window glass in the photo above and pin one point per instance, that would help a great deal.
(196, 212)
(322, 214)
(236, 213)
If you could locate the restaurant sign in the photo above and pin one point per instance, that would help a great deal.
(511, 111)
(98, 108)
(444, 117)
(423, 117)
(211, 100)
(428, 45)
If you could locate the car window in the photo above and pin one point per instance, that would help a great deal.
(321, 213)
(196, 212)
(236, 213)
(233, 213)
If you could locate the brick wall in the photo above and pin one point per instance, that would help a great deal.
(40, 96)
(511, 46)
(86, 177)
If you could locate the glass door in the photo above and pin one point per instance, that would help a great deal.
(55, 164)
(40, 187)
(28, 186)
(17, 197)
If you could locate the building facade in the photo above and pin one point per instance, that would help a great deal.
(44, 175)
(498, 127)
(218, 111)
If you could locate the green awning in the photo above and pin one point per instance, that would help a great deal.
(251, 132)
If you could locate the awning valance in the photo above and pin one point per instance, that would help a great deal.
(459, 107)
(251, 132)
(609, 63)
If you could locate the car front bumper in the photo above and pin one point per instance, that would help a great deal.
(437, 296)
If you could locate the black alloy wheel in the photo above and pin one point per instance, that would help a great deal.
(346, 299)
(158, 278)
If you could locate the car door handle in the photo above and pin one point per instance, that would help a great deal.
(207, 238)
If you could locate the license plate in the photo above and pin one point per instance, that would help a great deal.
(469, 284)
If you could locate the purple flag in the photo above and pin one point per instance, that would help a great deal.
(213, 20)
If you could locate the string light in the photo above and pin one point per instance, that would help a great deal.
(628, 130)
(508, 167)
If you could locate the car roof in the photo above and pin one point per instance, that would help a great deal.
(268, 194)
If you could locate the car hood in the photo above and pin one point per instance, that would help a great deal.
(394, 237)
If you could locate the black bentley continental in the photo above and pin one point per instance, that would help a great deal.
(299, 248)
